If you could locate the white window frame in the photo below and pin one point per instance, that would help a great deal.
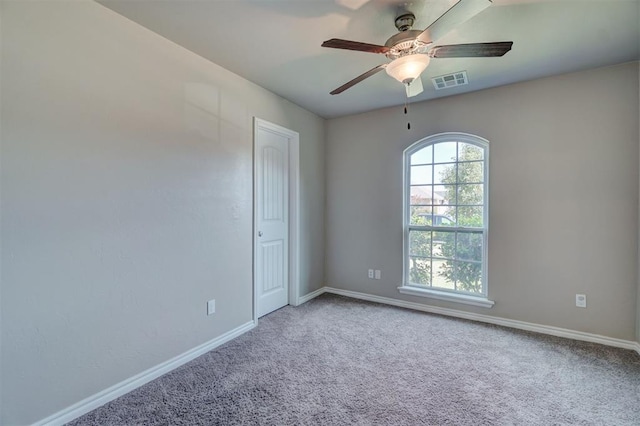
(438, 293)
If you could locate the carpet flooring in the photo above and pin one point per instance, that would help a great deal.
(340, 361)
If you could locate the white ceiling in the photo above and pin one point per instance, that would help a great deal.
(276, 43)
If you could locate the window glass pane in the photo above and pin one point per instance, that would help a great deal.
(470, 216)
(444, 152)
(447, 220)
(444, 173)
(471, 172)
(468, 277)
(423, 156)
(444, 244)
(421, 175)
(424, 218)
(468, 152)
(443, 274)
(444, 195)
(445, 217)
(470, 194)
(421, 215)
(469, 246)
(422, 194)
(419, 270)
(420, 243)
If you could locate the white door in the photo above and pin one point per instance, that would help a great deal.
(272, 218)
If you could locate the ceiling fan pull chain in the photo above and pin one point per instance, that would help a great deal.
(406, 110)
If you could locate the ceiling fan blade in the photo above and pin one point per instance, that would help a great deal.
(414, 88)
(473, 50)
(358, 79)
(456, 15)
(338, 43)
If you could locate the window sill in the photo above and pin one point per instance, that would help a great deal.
(449, 297)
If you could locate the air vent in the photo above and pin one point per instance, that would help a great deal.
(450, 80)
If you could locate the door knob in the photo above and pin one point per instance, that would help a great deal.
(259, 233)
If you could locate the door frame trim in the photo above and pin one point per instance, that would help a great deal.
(294, 209)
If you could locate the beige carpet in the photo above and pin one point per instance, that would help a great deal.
(339, 361)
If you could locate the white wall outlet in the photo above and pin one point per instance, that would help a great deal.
(581, 300)
(377, 274)
(370, 273)
(211, 307)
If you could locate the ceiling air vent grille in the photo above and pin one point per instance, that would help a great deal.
(450, 80)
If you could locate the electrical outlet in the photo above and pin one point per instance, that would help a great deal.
(581, 300)
(377, 274)
(370, 273)
(211, 307)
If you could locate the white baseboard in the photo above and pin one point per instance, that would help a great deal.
(312, 295)
(119, 389)
(521, 325)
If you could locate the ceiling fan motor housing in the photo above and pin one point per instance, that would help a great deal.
(404, 43)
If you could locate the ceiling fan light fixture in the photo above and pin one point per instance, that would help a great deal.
(408, 68)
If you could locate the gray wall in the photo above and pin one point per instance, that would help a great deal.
(563, 197)
(126, 201)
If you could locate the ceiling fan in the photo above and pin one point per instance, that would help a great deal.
(410, 51)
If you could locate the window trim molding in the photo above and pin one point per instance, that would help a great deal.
(465, 299)
(453, 296)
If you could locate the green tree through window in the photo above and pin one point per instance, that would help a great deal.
(468, 169)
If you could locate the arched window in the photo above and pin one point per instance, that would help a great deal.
(446, 218)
